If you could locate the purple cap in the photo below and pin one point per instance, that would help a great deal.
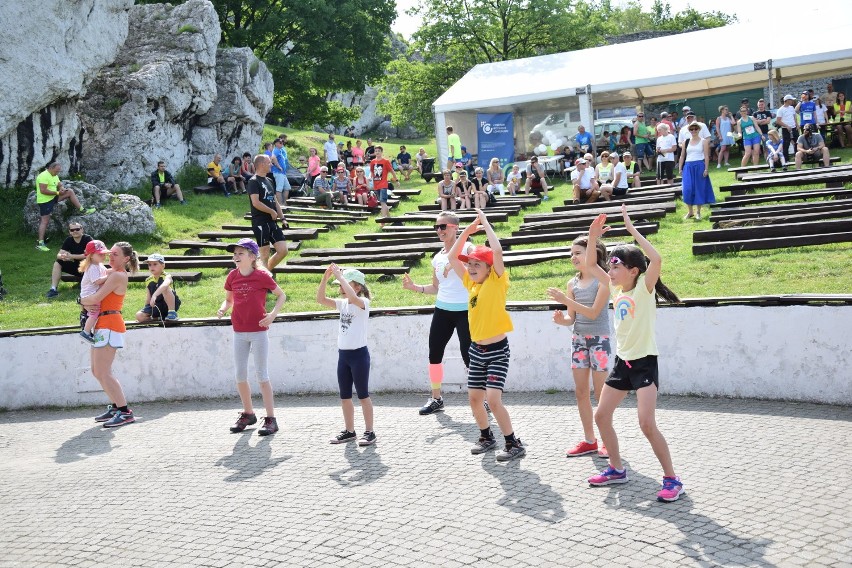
(247, 244)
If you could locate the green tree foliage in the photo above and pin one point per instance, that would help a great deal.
(458, 34)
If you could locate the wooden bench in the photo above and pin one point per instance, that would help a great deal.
(743, 200)
(656, 198)
(743, 170)
(462, 215)
(581, 222)
(328, 222)
(406, 192)
(289, 234)
(141, 277)
(762, 211)
(353, 256)
(799, 216)
(605, 207)
(818, 177)
(311, 203)
(436, 208)
(205, 189)
(771, 243)
(562, 236)
(314, 212)
(219, 245)
(319, 269)
(315, 230)
(763, 176)
(379, 248)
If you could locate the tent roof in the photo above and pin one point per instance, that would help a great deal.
(678, 66)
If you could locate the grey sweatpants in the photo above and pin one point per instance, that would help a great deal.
(245, 343)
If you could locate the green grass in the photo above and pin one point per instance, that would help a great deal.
(188, 29)
(26, 273)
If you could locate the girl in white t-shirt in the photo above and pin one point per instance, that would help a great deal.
(353, 363)
(94, 274)
(513, 180)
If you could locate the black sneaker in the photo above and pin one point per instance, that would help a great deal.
(367, 439)
(483, 445)
(244, 420)
(432, 406)
(343, 437)
(110, 412)
(87, 336)
(120, 419)
(52, 293)
(512, 451)
(270, 426)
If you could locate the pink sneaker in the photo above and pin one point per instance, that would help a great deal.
(671, 491)
(609, 476)
(582, 449)
(602, 453)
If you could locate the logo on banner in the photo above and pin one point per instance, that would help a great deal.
(486, 127)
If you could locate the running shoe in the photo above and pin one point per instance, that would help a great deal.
(609, 476)
(120, 419)
(512, 451)
(582, 449)
(172, 315)
(432, 406)
(367, 439)
(270, 426)
(87, 210)
(87, 336)
(343, 437)
(243, 421)
(42, 247)
(52, 293)
(671, 491)
(110, 412)
(483, 445)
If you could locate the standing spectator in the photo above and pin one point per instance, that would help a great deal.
(467, 160)
(830, 97)
(161, 299)
(357, 154)
(632, 170)
(642, 133)
(370, 152)
(842, 113)
(675, 121)
(583, 140)
(694, 167)
(233, 174)
(267, 148)
(49, 192)
(162, 179)
(725, 127)
(214, 175)
(348, 158)
(821, 116)
(313, 165)
(331, 156)
(682, 122)
(749, 111)
(811, 147)
(265, 212)
(763, 116)
(454, 148)
(280, 165)
(683, 134)
(623, 140)
(68, 258)
(785, 119)
(806, 109)
(664, 119)
(380, 169)
(666, 145)
(495, 177)
(247, 168)
(751, 135)
(404, 161)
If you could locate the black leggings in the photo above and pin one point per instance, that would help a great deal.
(441, 330)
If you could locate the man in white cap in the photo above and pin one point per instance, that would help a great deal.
(682, 122)
(583, 180)
(785, 119)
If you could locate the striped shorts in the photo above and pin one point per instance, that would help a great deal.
(489, 365)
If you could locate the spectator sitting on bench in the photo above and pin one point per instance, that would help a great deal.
(247, 169)
(214, 175)
(69, 256)
(323, 195)
(161, 300)
(810, 147)
(403, 160)
(513, 180)
(632, 170)
(585, 186)
(536, 182)
(447, 191)
(421, 153)
(162, 179)
(233, 174)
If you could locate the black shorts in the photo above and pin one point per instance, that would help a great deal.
(665, 170)
(633, 375)
(160, 309)
(71, 267)
(267, 233)
(46, 208)
(619, 191)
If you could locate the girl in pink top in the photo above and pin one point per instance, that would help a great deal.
(357, 154)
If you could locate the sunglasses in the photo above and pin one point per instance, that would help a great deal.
(614, 260)
(76, 229)
(443, 226)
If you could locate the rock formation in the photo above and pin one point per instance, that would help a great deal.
(121, 214)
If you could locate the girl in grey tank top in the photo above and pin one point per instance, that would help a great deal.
(587, 303)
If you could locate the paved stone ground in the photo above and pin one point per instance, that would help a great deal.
(768, 485)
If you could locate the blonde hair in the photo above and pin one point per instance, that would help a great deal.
(773, 134)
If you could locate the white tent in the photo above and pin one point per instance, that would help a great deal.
(667, 68)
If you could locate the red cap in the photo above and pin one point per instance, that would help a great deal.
(98, 247)
(479, 252)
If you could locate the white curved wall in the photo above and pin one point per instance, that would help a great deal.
(791, 352)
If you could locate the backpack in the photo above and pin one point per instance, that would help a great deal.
(492, 200)
(372, 200)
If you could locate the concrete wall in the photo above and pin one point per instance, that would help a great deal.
(792, 352)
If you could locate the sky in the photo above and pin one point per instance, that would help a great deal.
(746, 12)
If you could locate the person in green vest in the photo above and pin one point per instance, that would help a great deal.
(642, 134)
(49, 192)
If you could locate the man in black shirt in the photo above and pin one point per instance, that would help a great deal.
(763, 117)
(69, 256)
(265, 212)
(403, 159)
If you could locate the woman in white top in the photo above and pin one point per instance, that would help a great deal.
(450, 308)
(495, 177)
(697, 189)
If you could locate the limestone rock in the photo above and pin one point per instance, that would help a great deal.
(234, 124)
(51, 50)
(121, 214)
(142, 107)
(368, 102)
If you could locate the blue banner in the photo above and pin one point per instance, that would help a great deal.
(495, 138)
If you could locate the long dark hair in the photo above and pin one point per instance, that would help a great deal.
(633, 257)
(583, 241)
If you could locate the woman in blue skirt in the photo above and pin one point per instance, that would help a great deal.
(697, 189)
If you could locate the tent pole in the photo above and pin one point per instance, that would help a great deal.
(441, 140)
(587, 117)
(771, 84)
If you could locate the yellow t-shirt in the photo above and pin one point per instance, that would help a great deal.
(454, 141)
(635, 321)
(51, 181)
(217, 169)
(486, 304)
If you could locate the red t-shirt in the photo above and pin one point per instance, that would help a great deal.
(249, 298)
(380, 170)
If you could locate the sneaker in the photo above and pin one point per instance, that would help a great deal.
(718, 166)
(512, 451)
(608, 477)
(41, 247)
(671, 491)
(602, 453)
(772, 170)
(270, 426)
(244, 420)
(227, 194)
(120, 419)
(183, 202)
(87, 336)
(582, 449)
(343, 437)
(87, 210)
(784, 169)
(546, 198)
(52, 293)
(367, 439)
(432, 406)
(110, 412)
(483, 445)
(157, 206)
(172, 315)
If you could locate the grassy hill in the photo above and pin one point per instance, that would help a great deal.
(26, 272)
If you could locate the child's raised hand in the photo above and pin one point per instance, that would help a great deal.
(327, 274)
(557, 295)
(335, 270)
(627, 222)
(598, 227)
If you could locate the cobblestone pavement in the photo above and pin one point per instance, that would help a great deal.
(768, 484)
